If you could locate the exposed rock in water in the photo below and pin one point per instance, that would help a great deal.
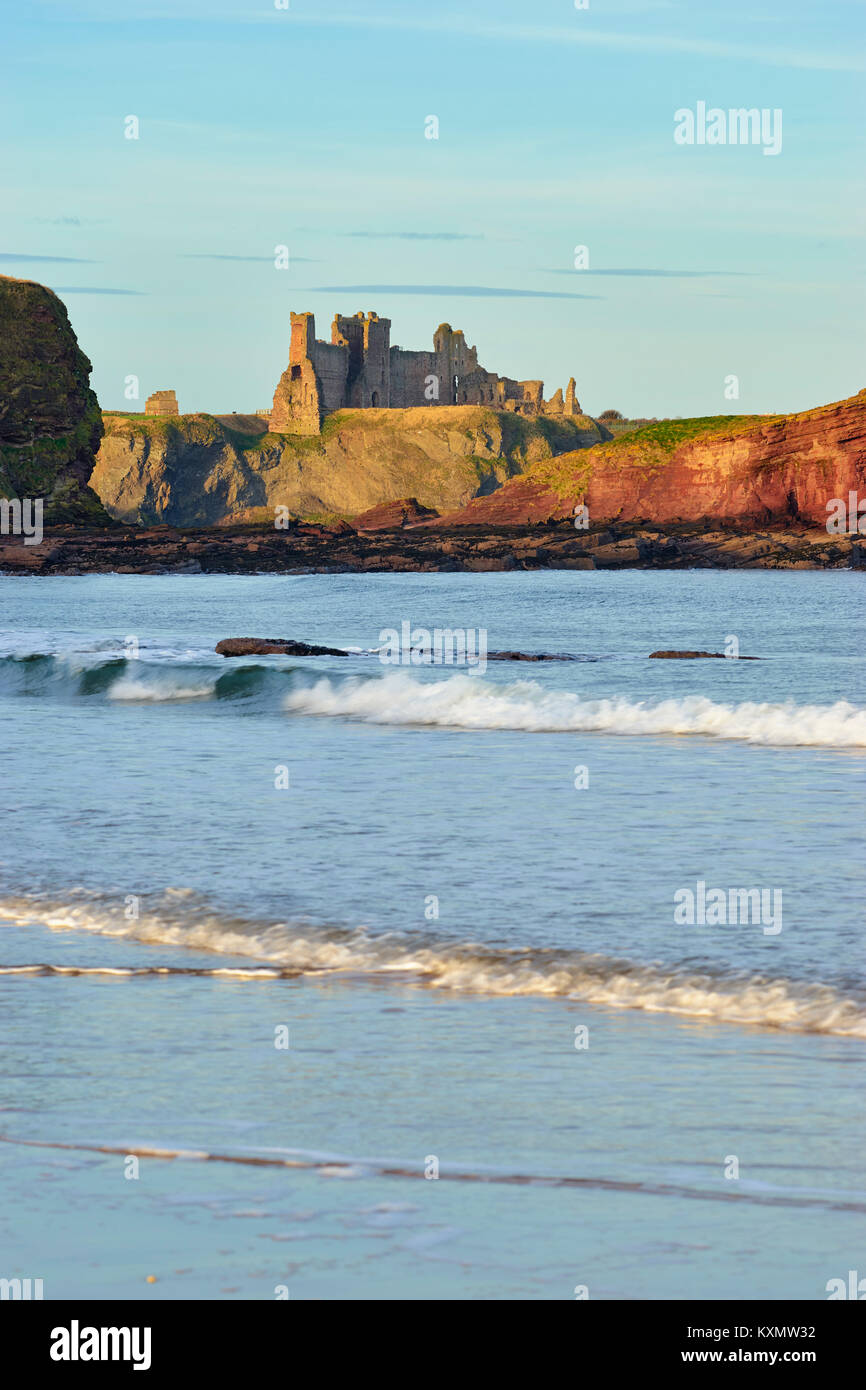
(692, 656)
(272, 646)
(528, 656)
(50, 421)
(278, 646)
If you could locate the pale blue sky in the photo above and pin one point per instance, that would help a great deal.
(305, 127)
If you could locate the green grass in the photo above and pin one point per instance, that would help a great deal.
(326, 518)
(668, 435)
(647, 450)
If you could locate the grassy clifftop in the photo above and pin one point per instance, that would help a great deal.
(722, 467)
(646, 450)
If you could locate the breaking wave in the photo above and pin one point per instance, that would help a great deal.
(457, 701)
(467, 702)
(120, 678)
(301, 947)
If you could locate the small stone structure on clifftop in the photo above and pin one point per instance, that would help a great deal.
(161, 403)
(359, 369)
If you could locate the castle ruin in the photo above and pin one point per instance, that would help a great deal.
(161, 403)
(358, 369)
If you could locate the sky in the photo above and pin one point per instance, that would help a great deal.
(306, 127)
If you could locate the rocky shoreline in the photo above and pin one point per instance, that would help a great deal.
(340, 548)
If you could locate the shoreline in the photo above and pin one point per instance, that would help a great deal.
(340, 548)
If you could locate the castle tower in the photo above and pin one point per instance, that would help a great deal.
(367, 339)
(161, 403)
(377, 360)
(443, 348)
(297, 407)
(303, 337)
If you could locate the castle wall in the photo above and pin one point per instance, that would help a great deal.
(410, 378)
(374, 388)
(296, 408)
(348, 334)
(366, 340)
(331, 365)
(480, 387)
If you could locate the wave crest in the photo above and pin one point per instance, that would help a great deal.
(458, 701)
(466, 702)
(302, 947)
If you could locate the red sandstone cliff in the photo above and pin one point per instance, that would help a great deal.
(749, 469)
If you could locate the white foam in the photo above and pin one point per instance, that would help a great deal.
(470, 967)
(467, 702)
(157, 691)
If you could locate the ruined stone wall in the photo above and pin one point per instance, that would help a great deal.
(410, 379)
(314, 383)
(456, 362)
(161, 403)
(452, 365)
(570, 405)
(359, 369)
(375, 385)
(480, 387)
(331, 365)
(367, 339)
(297, 400)
(348, 334)
(296, 406)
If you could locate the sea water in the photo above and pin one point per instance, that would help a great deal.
(326, 978)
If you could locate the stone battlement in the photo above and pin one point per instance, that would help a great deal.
(161, 403)
(358, 369)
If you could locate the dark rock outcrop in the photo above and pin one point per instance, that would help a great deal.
(50, 421)
(694, 656)
(528, 656)
(277, 646)
(272, 646)
(306, 549)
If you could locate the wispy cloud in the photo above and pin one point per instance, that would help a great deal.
(13, 257)
(467, 26)
(417, 236)
(452, 291)
(653, 274)
(773, 55)
(218, 256)
(90, 289)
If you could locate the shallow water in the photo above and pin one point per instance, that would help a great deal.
(432, 907)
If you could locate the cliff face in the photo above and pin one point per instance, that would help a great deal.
(202, 470)
(50, 421)
(746, 469)
(485, 467)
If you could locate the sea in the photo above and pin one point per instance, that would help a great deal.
(345, 978)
